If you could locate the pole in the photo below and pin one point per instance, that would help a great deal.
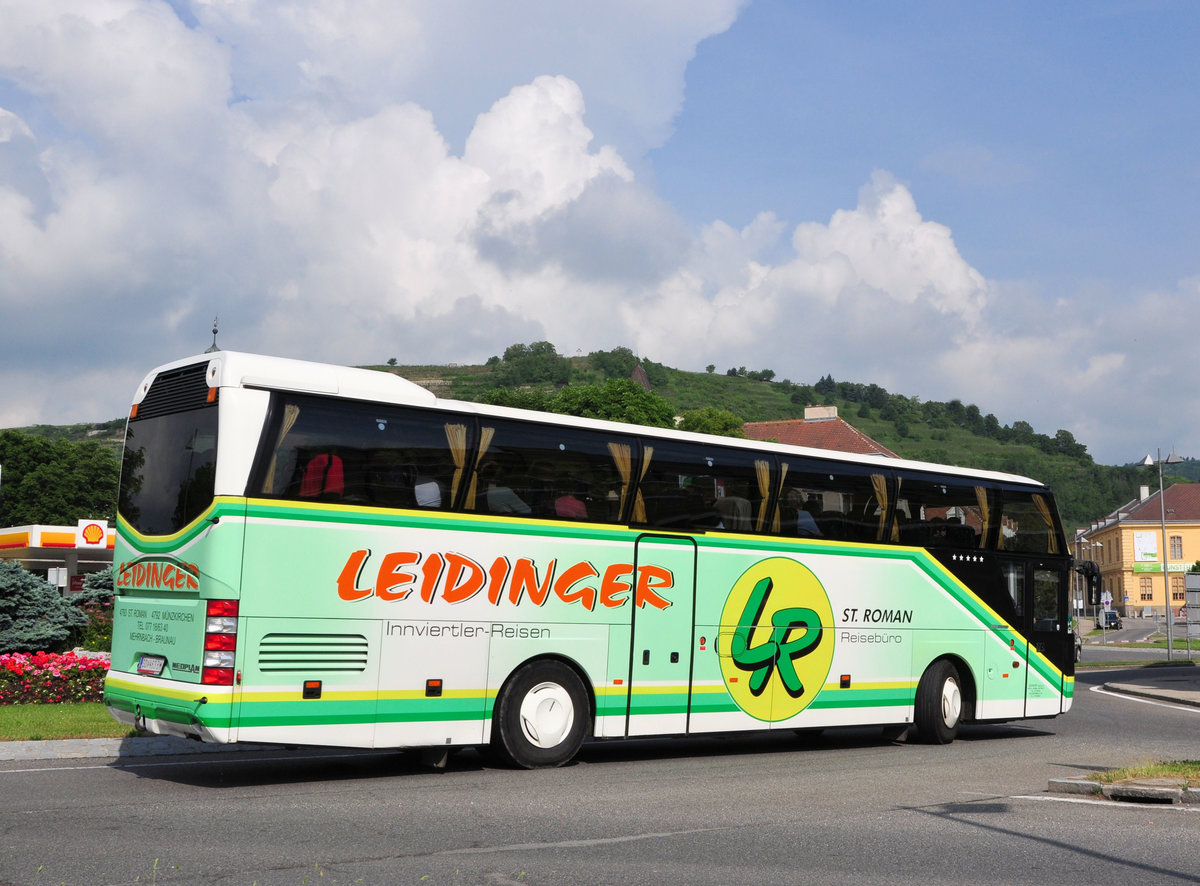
(1162, 504)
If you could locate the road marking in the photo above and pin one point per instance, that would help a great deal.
(1161, 704)
(118, 765)
(1112, 804)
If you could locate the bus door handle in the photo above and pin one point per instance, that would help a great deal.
(645, 656)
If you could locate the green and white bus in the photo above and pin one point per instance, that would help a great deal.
(319, 555)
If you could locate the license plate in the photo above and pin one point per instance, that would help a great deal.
(151, 664)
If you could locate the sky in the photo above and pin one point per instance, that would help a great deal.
(997, 203)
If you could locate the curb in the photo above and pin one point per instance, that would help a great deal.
(1163, 791)
(1175, 696)
(140, 746)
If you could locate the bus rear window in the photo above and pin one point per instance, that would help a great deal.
(168, 470)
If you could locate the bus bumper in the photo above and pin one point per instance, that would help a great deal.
(167, 707)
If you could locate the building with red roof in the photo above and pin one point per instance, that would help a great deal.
(819, 429)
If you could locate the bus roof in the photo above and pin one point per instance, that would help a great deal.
(238, 369)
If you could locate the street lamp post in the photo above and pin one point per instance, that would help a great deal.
(1093, 547)
(1171, 459)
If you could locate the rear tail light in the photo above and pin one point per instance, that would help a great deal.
(220, 643)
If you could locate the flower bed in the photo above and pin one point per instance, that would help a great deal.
(50, 678)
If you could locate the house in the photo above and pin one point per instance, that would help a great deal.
(1127, 545)
(819, 429)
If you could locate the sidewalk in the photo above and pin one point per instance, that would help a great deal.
(123, 748)
(1178, 685)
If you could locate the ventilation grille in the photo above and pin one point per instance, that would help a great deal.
(284, 653)
(176, 391)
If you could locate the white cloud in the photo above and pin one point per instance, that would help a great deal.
(356, 181)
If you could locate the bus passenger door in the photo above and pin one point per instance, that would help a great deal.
(1034, 588)
(1051, 635)
(660, 664)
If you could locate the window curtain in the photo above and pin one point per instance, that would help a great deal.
(622, 454)
(783, 471)
(291, 412)
(762, 472)
(639, 503)
(485, 440)
(879, 484)
(981, 496)
(456, 439)
(1043, 509)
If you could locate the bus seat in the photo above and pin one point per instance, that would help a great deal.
(323, 478)
(735, 513)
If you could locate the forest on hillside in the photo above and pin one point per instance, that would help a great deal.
(59, 474)
(536, 376)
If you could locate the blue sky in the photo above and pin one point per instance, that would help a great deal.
(989, 202)
(1015, 124)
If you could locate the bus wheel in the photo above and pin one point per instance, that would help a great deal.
(939, 704)
(542, 716)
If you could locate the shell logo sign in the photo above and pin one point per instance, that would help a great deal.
(91, 534)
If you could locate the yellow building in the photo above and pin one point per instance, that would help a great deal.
(1128, 547)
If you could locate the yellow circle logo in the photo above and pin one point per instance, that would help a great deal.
(776, 644)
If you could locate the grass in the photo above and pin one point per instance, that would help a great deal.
(41, 722)
(1180, 770)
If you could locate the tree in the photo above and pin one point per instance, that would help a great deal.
(618, 399)
(55, 481)
(538, 363)
(710, 368)
(98, 587)
(617, 363)
(33, 615)
(711, 420)
(517, 398)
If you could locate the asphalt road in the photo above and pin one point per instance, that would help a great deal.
(843, 808)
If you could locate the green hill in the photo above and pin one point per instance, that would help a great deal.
(949, 433)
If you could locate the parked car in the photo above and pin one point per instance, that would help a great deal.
(1108, 620)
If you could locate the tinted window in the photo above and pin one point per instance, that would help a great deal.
(695, 486)
(364, 454)
(550, 472)
(1028, 523)
(168, 470)
(934, 511)
(831, 500)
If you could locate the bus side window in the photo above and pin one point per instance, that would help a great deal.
(698, 486)
(945, 512)
(835, 501)
(1028, 524)
(553, 472)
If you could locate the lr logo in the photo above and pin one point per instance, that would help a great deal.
(774, 652)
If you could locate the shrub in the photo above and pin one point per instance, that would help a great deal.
(96, 635)
(50, 678)
(95, 601)
(33, 614)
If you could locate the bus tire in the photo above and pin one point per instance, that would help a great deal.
(939, 705)
(542, 716)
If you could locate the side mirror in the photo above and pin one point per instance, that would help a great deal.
(1091, 574)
